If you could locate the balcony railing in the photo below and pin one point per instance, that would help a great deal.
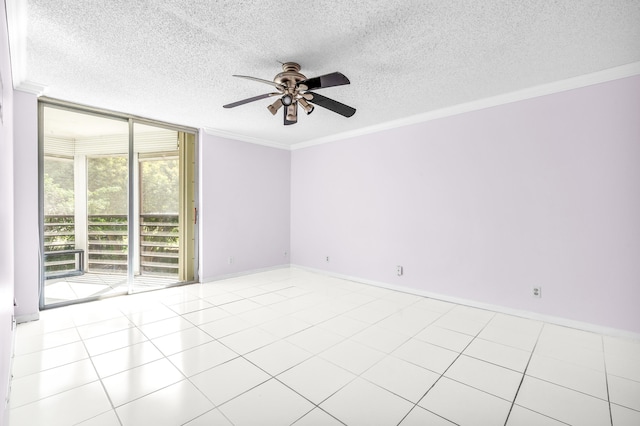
(107, 243)
(159, 246)
(59, 240)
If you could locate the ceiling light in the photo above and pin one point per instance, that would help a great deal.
(292, 113)
(286, 100)
(274, 107)
(308, 108)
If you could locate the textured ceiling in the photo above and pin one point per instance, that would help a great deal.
(173, 60)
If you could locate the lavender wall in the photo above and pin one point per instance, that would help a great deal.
(25, 178)
(485, 205)
(6, 217)
(244, 206)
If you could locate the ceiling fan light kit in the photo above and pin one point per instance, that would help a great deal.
(295, 89)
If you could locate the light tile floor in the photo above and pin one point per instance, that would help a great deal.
(293, 347)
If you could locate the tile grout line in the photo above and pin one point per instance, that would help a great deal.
(524, 374)
(104, 389)
(274, 377)
(606, 379)
(271, 377)
(386, 354)
(188, 378)
(136, 326)
(133, 325)
(444, 372)
(89, 358)
(403, 343)
(356, 376)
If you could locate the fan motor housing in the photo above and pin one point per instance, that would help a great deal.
(290, 76)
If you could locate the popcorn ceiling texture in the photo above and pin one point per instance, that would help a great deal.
(172, 60)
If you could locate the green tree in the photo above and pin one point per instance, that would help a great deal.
(107, 181)
(107, 185)
(159, 186)
(58, 186)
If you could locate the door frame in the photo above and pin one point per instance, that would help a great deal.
(45, 102)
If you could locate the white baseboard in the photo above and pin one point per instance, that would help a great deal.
(27, 317)
(565, 322)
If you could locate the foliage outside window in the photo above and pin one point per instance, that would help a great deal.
(58, 184)
(107, 185)
(159, 186)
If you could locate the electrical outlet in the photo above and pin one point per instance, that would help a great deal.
(536, 292)
(399, 270)
(327, 259)
(285, 254)
(230, 260)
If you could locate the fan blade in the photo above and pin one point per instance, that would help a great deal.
(330, 104)
(246, 101)
(291, 114)
(327, 80)
(260, 80)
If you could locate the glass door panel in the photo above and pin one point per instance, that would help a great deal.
(159, 219)
(84, 205)
(156, 206)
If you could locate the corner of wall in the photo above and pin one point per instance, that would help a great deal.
(7, 280)
(25, 205)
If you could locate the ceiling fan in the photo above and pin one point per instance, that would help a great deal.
(295, 89)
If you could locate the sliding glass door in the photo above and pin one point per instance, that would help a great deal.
(117, 205)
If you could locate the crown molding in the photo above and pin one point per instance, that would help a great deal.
(243, 138)
(17, 29)
(31, 87)
(604, 76)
